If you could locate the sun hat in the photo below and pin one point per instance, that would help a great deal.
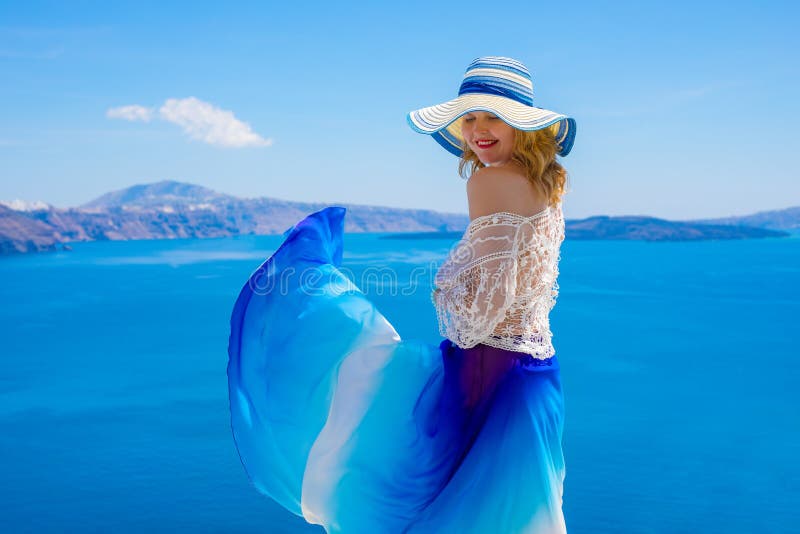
(498, 85)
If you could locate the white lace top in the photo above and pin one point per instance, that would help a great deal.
(499, 282)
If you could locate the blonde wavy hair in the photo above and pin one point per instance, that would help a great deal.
(536, 152)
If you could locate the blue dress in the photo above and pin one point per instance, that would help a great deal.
(343, 422)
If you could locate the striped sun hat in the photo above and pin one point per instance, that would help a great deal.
(498, 85)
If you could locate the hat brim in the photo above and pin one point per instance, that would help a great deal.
(441, 121)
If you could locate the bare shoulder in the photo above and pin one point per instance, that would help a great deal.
(495, 189)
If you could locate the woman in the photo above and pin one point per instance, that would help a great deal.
(346, 424)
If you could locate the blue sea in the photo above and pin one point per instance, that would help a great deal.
(680, 364)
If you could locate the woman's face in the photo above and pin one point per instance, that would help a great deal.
(489, 137)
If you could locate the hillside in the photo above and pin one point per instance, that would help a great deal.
(169, 209)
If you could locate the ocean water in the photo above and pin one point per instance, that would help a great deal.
(680, 364)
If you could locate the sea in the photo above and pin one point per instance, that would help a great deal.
(680, 363)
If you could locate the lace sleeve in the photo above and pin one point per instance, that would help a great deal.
(477, 282)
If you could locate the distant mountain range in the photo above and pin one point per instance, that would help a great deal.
(169, 209)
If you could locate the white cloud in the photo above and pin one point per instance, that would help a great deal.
(131, 113)
(210, 124)
(199, 120)
(24, 205)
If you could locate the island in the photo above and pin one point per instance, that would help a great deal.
(170, 209)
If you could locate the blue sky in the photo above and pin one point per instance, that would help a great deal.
(684, 109)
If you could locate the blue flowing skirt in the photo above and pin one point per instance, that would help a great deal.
(344, 423)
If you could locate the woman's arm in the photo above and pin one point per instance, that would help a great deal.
(477, 284)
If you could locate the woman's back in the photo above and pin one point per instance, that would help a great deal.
(502, 189)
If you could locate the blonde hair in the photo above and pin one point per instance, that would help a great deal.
(536, 152)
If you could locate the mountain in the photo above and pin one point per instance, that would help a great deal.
(169, 209)
(653, 229)
(157, 196)
(785, 219)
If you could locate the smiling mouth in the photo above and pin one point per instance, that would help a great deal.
(485, 143)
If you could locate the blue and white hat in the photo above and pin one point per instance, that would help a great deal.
(498, 85)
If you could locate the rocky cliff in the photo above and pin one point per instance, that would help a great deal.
(169, 209)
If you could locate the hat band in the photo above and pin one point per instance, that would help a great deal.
(469, 86)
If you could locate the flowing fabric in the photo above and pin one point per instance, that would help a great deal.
(344, 423)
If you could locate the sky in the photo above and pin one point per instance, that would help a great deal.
(684, 109)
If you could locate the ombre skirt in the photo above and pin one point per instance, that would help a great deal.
(344, 423)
